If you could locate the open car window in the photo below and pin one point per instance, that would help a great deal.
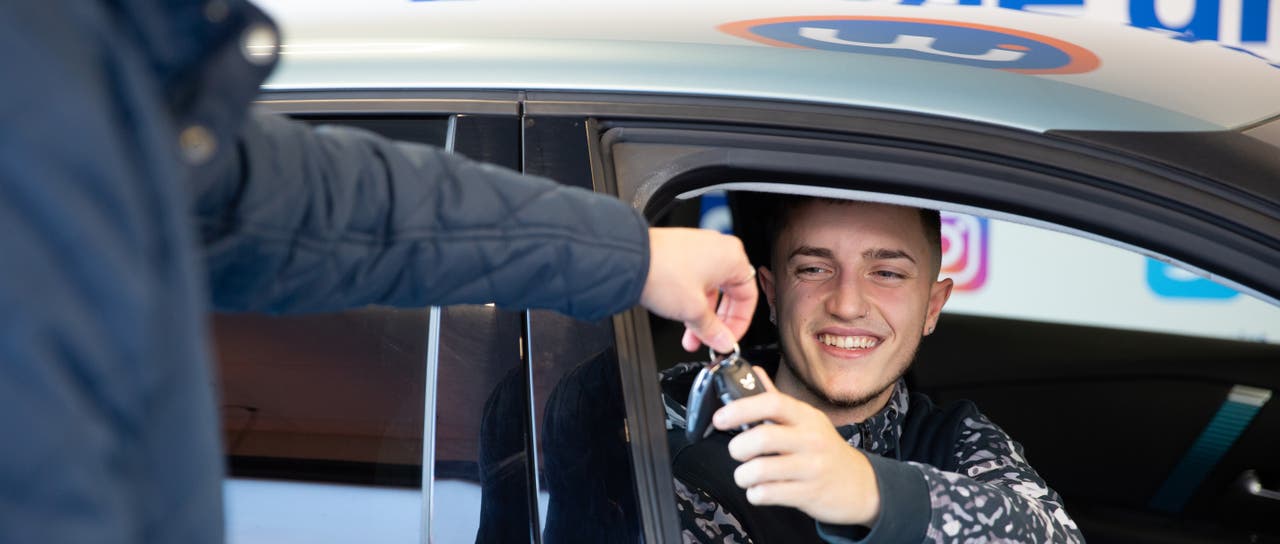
(1007, 270)
(1109, 366)
(1004, 269)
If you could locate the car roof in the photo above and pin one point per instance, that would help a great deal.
(1012, 68)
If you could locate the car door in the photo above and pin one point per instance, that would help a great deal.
(329, 419)
(517, 416)
(1111, 410)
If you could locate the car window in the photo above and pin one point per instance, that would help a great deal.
(1068, 342)
(322, 423)
(481, 486)
(1007, 270)
(323, 415)
(584, 452)
(584, 445)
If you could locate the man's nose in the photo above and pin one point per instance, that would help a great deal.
(847, 302)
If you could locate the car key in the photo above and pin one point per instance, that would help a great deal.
(718, 383)
(736, 380)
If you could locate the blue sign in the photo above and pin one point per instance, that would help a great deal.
(1172, 282)
(969, 44)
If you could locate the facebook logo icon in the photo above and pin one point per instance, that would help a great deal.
(1170, 281)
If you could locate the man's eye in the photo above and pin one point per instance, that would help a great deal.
(888, 275)
(810, 271)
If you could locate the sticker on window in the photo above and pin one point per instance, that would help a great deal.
(964, 251)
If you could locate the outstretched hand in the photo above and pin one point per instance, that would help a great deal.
(689, 270)
(798, 459)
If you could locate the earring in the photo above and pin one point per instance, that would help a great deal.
(773, 316)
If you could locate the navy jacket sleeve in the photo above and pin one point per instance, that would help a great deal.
(317, 219)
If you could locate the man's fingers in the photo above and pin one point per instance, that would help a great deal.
(773, 468)
(707, 329)
(765, 439)
(687, 262)
(789, 493)
(738, 303)
(770, 406)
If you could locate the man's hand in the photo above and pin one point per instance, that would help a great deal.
(798, 459)
(688, 270)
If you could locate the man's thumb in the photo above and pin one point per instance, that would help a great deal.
(709, 330)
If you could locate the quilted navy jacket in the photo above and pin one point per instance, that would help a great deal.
(136, 190)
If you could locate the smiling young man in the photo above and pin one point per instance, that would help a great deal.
(853, 288)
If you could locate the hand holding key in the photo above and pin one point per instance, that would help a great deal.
(719, 383)
(800, 460)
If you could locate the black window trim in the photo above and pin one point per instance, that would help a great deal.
(392, 102)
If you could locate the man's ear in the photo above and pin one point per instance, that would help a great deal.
(766, 286)
(938, 295)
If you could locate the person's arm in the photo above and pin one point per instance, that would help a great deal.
(994, 494)
(319, 219)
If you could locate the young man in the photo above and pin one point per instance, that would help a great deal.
(853, 288)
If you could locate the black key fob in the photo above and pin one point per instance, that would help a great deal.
(719, 383)
(736, 380)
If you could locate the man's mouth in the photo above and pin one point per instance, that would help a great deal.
(849, 342)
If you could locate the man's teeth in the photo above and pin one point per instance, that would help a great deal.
(848, 342)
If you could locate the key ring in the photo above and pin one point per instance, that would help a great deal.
(737, 354)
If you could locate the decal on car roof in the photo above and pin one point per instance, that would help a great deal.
(956, 42)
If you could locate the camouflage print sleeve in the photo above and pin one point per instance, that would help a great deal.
(704, 521)
(994, 495)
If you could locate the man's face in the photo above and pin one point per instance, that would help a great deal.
(854, 290)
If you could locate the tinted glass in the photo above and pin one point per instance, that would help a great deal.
(316, 400)
(323, 414)
(584, 455)
(585, 469)
(482, 472)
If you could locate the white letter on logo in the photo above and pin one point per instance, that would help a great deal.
(923, 44)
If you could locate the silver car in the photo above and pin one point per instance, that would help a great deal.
(1111, 200)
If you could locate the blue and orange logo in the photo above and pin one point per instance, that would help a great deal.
(969, 44)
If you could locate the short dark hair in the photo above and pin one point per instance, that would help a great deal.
(784, 206)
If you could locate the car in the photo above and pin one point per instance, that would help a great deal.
(1111, 199)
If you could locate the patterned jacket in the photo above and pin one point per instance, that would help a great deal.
(945, 475)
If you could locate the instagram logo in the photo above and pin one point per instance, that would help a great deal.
(964, 251)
